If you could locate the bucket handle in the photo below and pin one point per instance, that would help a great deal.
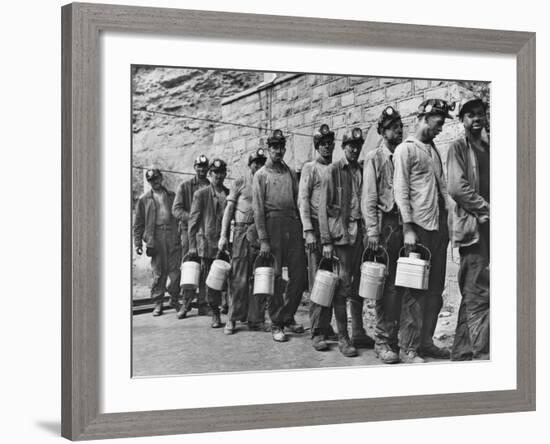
(380, 247)
(225, 253)
(271, 256)
(196, 259)
(335, 263)
(419, 245)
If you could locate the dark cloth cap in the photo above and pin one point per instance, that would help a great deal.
(356, 136)
(152, 173)
(470, 103)
(435, 106)
(276, 138)
(388, 116)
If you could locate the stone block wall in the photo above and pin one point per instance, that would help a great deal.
(299, 104)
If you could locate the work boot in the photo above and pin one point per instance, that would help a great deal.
(216, 321)
(319, 343)
(174, 303)
(229, 328)
(386, 354)
(362, 341)
(278, 334)
(432, 351)
(293, 327)
(182, 312)
(158, 309)
(346, 347)
(410, 357)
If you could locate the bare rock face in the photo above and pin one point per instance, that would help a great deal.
(161, 98)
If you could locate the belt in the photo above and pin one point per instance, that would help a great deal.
(282, 213)
(243, 224)
(163, 227)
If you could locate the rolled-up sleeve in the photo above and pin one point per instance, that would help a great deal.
(235, 190)
(304, 196)
(369, 197)
(401, 182)
(258, 205)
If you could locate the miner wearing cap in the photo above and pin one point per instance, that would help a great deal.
(154, 224)
(383, 228)
(181, 209)
(274, 201)
(243, 306)
(308, 203)
(341, 230)
(206, 217)
(468, 186)
(421, 195)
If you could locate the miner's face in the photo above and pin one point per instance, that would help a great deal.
(394, 133)
(276, 152)
(475, 119)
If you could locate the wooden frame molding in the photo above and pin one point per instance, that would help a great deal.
(81, 25)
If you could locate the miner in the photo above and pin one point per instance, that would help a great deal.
(155, 225)
(421, 195)
(274, 201)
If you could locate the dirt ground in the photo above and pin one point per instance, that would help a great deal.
(165, 345)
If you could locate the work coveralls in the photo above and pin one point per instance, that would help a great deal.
(243, 305)
(180, 210)
(468, 185)
(382, 219)
(421, 195)
(274, 194)
(206, 216)
(340, 224)
(308, 204)
(163, 238)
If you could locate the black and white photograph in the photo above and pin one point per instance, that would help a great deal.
(303, 220)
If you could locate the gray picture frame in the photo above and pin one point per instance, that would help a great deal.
(81, 252)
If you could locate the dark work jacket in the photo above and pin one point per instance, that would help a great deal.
(467, 205)
(335, 204)
(184, 198)
(145, 217)
(206, 215)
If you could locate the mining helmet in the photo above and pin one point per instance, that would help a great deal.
(152, 173)
(202, 160)
(466, 104)
(388, 116)
(257, 156)
(218, 166)
(355, 137)
(435, 106)
(323, 134)
(276, 138)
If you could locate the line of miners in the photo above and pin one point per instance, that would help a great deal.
(398, 198)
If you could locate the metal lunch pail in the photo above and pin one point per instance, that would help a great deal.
(219, 270)
(325, 283)
(190, 273)
(264, 277)
(412, 271)
(373, 275)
